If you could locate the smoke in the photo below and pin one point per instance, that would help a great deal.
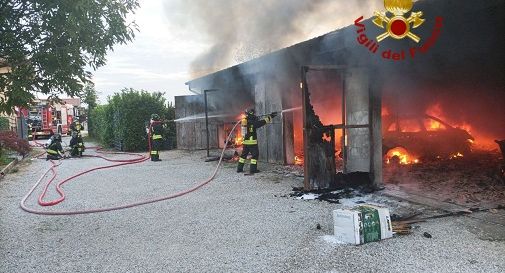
(241, 30)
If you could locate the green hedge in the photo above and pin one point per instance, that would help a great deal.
(122, 121)
(4, 124)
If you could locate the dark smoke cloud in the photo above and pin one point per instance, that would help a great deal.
(240, 30)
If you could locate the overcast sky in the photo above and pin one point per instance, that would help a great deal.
(173, 33)
(157, 60)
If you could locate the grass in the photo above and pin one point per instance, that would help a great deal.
(5, 161)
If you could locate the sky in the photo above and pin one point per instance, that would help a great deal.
(174, 34)
(157, 60)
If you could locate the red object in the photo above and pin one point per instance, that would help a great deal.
(139, 159)
(51, 124)
(399, 27)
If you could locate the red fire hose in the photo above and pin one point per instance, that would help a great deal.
(139, 159)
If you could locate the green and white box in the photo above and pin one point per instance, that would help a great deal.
(362, 224)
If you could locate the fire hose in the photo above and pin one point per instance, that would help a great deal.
(138, 160)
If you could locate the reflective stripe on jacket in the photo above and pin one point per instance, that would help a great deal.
(249, 127)
(52, 152)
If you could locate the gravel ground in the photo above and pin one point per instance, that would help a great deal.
(235, 224)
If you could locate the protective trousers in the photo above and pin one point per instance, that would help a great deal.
(53, 156)
(155, 149)
(254, 151)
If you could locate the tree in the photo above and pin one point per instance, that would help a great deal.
(46, 45)
(90, 96)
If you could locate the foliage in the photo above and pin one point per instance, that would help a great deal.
(4, 124)
(124, 119)
(47, 45)
(9, 140)
(101, 127)
(5, 160)
(90, 97)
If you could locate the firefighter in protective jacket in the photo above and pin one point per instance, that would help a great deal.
(76, 127)
(156, 129)
(76, 142)
(54, 149)
(250, 124)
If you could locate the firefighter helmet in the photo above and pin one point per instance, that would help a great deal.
(155, 117)
(57, 137)
(250, 112)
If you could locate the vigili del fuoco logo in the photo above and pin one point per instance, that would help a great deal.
(398, 26)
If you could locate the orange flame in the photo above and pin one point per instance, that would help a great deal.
(437, 111)
(456, 156)
(298, 160)
(402, 155)
(239, 141)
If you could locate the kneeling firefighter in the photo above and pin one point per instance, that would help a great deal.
(54, 149)
(250, 124)
(156, 129)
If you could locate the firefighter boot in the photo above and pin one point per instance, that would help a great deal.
(240, 166)
(254, 167)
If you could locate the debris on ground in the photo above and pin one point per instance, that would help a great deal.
(324, 195)
(427, 235)
(402, 225)
(402, 228)
(471, 181)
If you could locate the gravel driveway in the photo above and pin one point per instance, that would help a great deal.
(236, 223)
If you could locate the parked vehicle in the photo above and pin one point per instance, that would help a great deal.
(46, 120)
(425, 137)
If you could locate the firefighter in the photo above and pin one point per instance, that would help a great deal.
(250, 124)
(76, 142)
(54, 149)
(76, 127)
(156, 128)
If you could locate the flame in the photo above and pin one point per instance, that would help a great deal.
(239, 141)
(456, 156)
(298, 160)
(437, 111)
(434, 125)
(402, 155)
(385, 111)
(326, 137)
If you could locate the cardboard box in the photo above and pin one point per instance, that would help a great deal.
(362, 224)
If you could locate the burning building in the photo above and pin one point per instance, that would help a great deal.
(353, 106)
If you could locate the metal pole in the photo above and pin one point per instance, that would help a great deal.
(207, 122)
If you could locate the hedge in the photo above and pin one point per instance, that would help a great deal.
(4, 124)
(121, 122)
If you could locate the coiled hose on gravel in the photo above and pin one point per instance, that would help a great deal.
(140, 158)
